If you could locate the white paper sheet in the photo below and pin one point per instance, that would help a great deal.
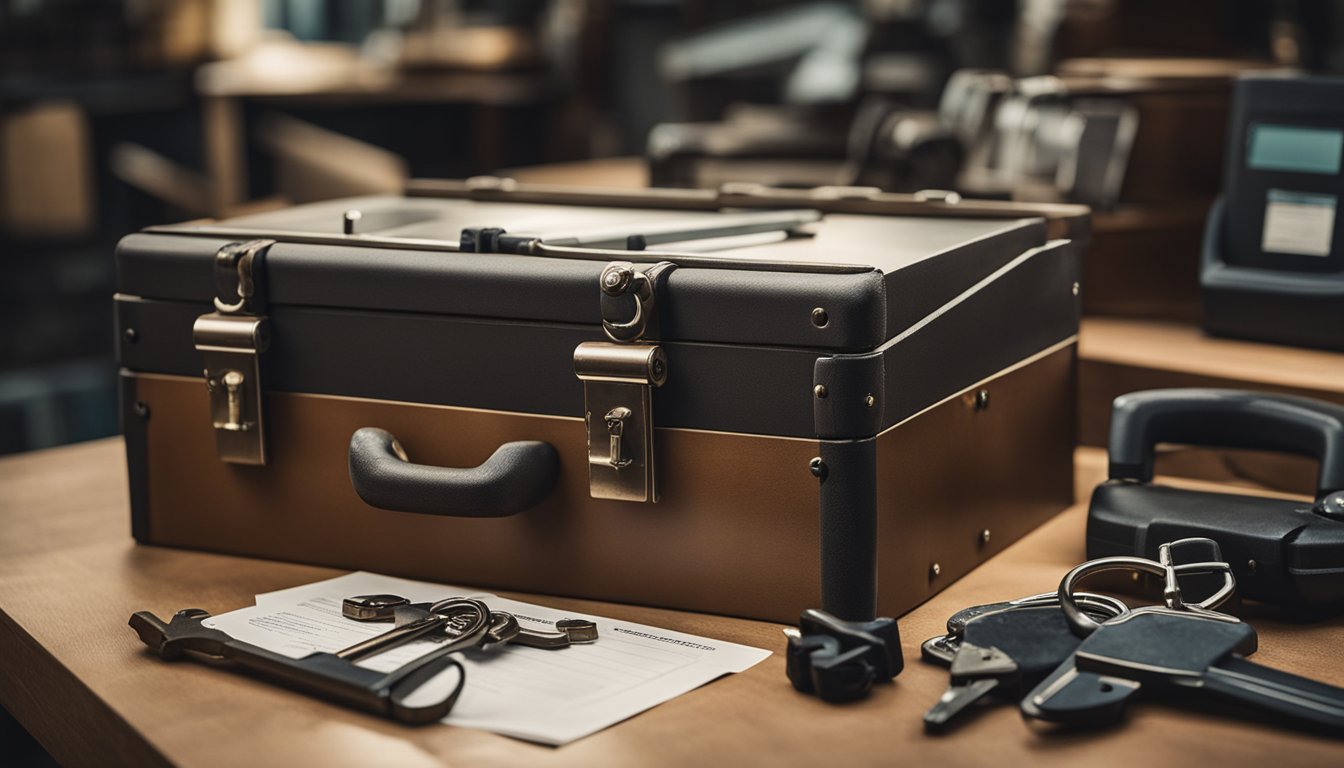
(547, 696)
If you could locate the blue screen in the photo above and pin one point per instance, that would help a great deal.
(1292, 148)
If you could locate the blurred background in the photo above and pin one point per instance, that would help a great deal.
(115, 115)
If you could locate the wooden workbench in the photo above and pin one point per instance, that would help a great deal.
(77, 677)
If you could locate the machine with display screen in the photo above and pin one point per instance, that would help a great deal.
(1273, 261)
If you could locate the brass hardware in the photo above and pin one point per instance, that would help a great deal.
(984, 536)
(820, 318)
(231, 341)
(820, 391)
(615, 419)
(618, 382)
(870, 400)
(935, 571)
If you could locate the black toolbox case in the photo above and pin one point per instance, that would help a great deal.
(747, 401)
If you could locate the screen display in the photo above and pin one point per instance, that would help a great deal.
(1296, 149)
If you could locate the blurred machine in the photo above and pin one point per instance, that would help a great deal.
(1138, 139)
(1273, 262)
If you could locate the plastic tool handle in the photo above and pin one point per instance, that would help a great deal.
(1225, 418)
(517, 476)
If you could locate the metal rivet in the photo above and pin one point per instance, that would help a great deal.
(141, 409)
(820, 391)
(1250, 566)
(349, 220)
(935, 570)
(1075, 289)
(984, 536)
(982, 400)
(820, 318)
(870, 401)
(818, 468)
(130, 336)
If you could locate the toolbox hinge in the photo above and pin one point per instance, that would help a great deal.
(231, 340)
(618, 380)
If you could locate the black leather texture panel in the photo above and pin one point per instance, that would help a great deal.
(848, 395)
(1027, 307)
(713, 305)
(849, 529)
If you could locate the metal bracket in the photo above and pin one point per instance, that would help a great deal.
(231, 341)
(618, 382)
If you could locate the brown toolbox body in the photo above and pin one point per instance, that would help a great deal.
(745, 403)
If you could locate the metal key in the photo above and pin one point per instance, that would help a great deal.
(1165, 652)
(447, 620)
(416, 621)
(1004, 653)
(942, 649)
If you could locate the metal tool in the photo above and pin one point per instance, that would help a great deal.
(426, 620)
(452, 620)
(322, 674)
(1188, 558)
(840, 660)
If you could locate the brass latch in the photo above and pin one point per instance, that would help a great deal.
(231, 340)
(618, 380)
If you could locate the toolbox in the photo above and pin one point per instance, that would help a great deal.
(746, 401)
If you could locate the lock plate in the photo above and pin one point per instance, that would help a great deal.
(618, 382)
(231, 346)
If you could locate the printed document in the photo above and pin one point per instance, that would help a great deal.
(547, 696)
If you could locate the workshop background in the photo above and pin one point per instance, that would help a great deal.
(121, 114)
(118, 115)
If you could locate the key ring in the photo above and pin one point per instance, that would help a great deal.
(1084, 625)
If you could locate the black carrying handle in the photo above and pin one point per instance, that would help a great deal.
(517, 476)
(1225, 418)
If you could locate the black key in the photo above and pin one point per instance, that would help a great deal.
(1170, 652)
(1004, 653)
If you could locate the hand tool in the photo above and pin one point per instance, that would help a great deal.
(322, 674)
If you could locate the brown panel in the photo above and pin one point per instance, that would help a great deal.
(736, 531)
(955, 471)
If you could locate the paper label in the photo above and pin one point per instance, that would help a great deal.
(1299, 223)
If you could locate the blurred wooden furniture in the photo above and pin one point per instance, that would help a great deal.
(1119, 355)
(289, 74)
(77, 677)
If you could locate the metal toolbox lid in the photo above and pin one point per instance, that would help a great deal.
(752, 267)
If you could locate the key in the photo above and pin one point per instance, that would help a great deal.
(1166, 652)
(447, 620)
(568, 632)
(1004, 653)
(941, 649)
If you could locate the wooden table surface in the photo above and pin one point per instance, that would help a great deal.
(77, 677)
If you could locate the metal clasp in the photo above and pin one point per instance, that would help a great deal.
(231, 340)
(615, 419)
(618, 382)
